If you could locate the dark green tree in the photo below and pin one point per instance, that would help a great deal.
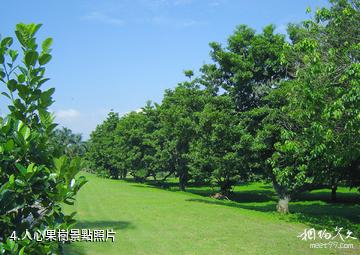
(102, 156)
(318, 147)
(213, 153)
(137, 145)
(178, 116)
(248, 67)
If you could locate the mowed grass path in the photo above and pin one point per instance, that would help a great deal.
(149, 220)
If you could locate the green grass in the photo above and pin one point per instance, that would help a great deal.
(149, 220)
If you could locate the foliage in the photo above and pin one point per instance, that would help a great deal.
(102, 156)
(179, 117)
(33, 183)
(137, 142)
(213, 154)
(64, 141)
(317, 146)
(248, 67)
(285, 111)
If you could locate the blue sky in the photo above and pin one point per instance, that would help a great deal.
(118, 54)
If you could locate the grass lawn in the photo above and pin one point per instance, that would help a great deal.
(149, 220)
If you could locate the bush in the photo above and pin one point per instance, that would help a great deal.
(33, 183)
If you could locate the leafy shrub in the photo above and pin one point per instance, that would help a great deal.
(33, 183)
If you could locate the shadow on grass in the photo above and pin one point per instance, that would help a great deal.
(314, 209)
(319, 215)
(257, 195)
(239, 196)
(175, 185)
(325, 196)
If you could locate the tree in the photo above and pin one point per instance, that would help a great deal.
(33, 183)
(316, 146)
(136, 142)
(248, 67)
(64, 141)
(189, 73)
(213, 154)
(178, 116)
(102, 155)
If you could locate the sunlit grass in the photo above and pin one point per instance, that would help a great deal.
(150, 220)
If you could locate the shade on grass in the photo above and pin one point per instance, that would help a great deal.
(149, 220)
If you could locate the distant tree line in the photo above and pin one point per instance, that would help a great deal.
(284, 109)
(64, 142)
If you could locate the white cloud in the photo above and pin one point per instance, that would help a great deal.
(80, 122)
(103, 18)
(84, 122)
(67, 115)
(282, 29)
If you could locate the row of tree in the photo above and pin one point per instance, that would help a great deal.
(285, 109)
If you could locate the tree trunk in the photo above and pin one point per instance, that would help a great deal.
(283, 205)
(182, 181)
(181, 184)
(225, 188)
(224, 191)
(284, 197)
(333, 192)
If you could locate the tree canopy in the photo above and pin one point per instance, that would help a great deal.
(281, 108)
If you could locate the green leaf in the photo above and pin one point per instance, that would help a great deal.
(25, 132)
(21, 38)
(6, 94)
(9, 145)
(11, 84)
(44, 59)
(19, 105)
(60, 163)
(2, 59)
(19, 125)
(11, 179)
(23, 91)
(21, 168)
(31, 57)
(46, 44)
(21, 78)
(21, 252)
(6, 42)
(34, 28)
(47, 94)
(13, 54)
(43, 81)
(19, 182)
(30, 168)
